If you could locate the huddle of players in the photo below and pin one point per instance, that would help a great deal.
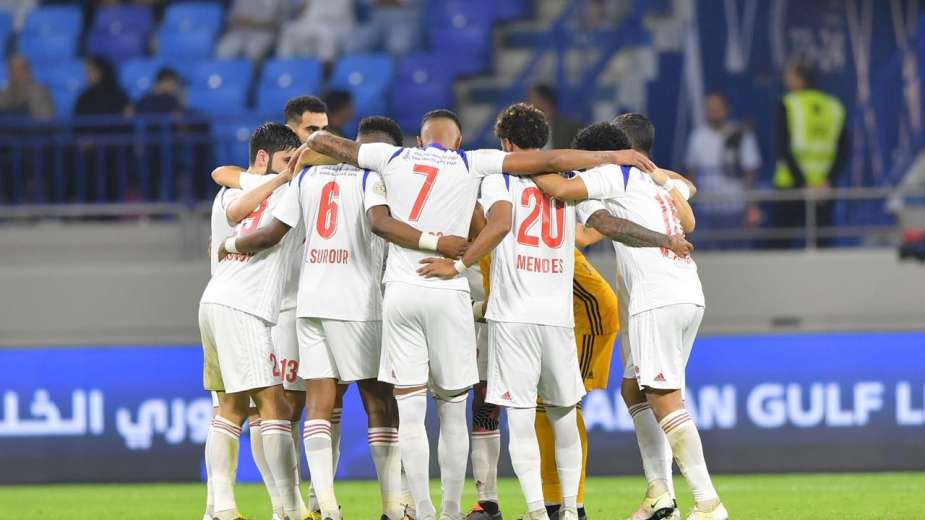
(420, 334)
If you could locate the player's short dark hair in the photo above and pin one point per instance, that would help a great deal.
(297, 106)
(272, 138)
(336, 100)
(166, 73)
(546, 92)
(601, 136)
(381, 124)
(524, 125)
(442, 113)
(638, 129)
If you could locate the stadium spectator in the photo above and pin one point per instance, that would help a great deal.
(19, 9)
(393, 27)
(24, 96)
(164, 96)
(812, 149)
(562, 129)
(103, 95)
(341, 110)
(319, 31)
(252, 28)
(723, 158)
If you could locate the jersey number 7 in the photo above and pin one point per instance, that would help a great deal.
(430, 174)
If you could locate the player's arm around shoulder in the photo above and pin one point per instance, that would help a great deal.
(335, 147)
(228, 176)
(559, 187)
(680, 190)
(498, 224)
(533, 162)
(632, 234)
(250, 200)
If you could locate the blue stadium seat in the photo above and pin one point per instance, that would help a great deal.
(367, 77)
(218, 74)
(120, 32)
(511, 9)
(231, 136)
(65, 80)
(218, 102)
(423, 83)
(6, 30)
(459, 14)
(189, 30)
(137, 76)
(51, 33)
(283, 79)
(465, 50)
(48, 49)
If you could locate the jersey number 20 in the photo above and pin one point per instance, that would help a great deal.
(546, 205)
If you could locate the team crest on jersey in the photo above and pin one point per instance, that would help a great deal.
(379, 188)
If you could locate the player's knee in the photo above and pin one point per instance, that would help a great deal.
(451, 396)
(631, 393)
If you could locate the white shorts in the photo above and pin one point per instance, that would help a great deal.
(660, 342)
(481, 350)
(344, 350)
(527, 361)
(244, 347)
(287, 350)
(428, 336)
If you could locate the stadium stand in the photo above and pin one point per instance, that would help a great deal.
(120, 32)
(282, 79)
(189, 30)
(51, 33)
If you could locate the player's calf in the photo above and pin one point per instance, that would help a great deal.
(486, 450)
(382, 434)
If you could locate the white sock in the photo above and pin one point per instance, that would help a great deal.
(222, 446)
(297, 446)
(453, 451)
(486, 450)
(653, 446)
(320, 463)
(568, 451)
(210, 497)
(280, 455)
(383, 445)
(406, 497)
(688, 452)
(415, 449)
(525, 455)
(335, 436)
(276, 499)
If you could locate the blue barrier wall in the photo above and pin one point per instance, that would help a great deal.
(763, 403)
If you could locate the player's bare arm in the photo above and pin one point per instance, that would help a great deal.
(497, 227)
(249, 200)
(559, 187)
(228, 176)
(633, 235)
(337, 148)
(543, 161)
(263, 238)
(401, 234)
(669, 180)
(586, 236)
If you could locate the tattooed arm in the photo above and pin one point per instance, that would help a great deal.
(633, 235)
(337, 148)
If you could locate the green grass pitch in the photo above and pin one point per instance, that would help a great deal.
(874, 496)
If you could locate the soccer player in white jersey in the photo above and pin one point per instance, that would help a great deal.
(434, 187)
(236, 312)
(665, 306)
(532, 351)
(303, 115)
(340, 307)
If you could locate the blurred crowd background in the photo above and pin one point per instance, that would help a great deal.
(800, 121)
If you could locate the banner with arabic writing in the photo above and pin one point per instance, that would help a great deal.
(763, 403)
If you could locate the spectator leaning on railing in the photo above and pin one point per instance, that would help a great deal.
(812, 146)
(723, 158)
(24, 96)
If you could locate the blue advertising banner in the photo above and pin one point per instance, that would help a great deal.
(807, 402)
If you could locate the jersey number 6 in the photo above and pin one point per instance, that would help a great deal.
(543, 204)
(327, 210)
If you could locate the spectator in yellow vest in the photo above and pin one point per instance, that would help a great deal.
(812, 149)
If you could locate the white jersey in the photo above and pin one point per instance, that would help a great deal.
(248, 182)
(342, 261)
(220, 229)
(533, 267)
(254, 283)
(652, 277)
(432, 189)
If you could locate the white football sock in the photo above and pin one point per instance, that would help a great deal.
(453, 451)
(415, 449)
(222, 446)
(653, 446)
(486, 450)
(406, 497)
(276, 500)
(688, 452)
(297, 447)
(525, 455)
(210, 497)
(568, 451)
(320, 463)
(335, 436)
(383, 445)
(280, 455)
